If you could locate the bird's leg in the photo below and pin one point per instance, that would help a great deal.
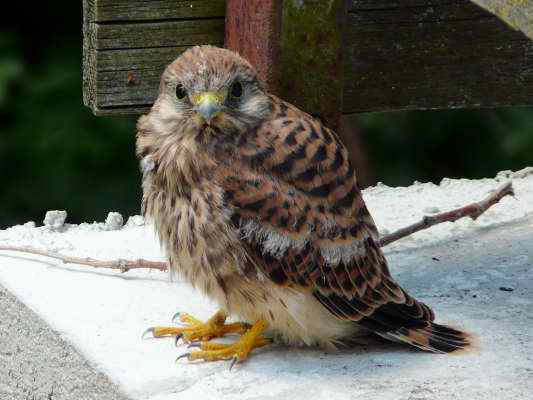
(237, 351)
(196, 330)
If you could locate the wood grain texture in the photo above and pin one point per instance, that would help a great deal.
(397, 55)
(127, 45)
(142, 10)
(421, 54)
(158, 34)
(253, 29)
(89, 56)
(131, 77)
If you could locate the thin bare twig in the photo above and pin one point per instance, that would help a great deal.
(473, 210)
(120, 264)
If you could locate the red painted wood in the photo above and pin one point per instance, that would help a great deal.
(253, 29)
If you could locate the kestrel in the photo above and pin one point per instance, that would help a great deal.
(256, 205)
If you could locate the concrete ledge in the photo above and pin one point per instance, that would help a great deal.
(476, 275)
(36, 363)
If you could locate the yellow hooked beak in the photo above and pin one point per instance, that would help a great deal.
(208, 104)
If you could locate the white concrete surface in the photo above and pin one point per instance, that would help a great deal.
(36, 363)
(457, 268)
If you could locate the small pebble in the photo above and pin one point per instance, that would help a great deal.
(55, 218)
(135, 220)
(114, 221)
(446, 182)
(506, 289)
(506, 174)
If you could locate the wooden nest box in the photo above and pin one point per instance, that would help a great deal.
(330, 58)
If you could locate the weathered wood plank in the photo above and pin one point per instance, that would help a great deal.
(417, 54)
(123, 61)
(398, 54)
(142, 10)
(89, 56)
(253, 29)
(131, 77)
(159, 34)
(517, 13)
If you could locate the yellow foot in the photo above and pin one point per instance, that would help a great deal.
(238, 351)
(196, 330)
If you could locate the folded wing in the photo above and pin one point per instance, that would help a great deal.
(294, 198)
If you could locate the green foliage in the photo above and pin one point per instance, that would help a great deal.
(11, 67)
(53, 153)
(430, 145)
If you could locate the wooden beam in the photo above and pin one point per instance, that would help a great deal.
(142, 10)
(89, 64)
(158, 34)
(253, 29)
(432, 54)
(396, 54)
(128, 43)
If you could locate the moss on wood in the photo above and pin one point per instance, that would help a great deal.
(311, 52)
(516, 13)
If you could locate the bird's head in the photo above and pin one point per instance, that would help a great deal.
(211, 94)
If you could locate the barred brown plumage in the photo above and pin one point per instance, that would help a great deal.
(257, 205)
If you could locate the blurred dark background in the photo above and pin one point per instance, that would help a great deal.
(54, 154)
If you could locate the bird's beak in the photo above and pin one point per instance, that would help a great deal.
(208, 104)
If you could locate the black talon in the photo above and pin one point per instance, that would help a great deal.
(149, 330)
(178, 337)
(233, 362)
(183, 356)
(194, 344)
(176, 316)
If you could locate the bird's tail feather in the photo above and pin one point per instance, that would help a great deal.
(412, 323)
(434, 337)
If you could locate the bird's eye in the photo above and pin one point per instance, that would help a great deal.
(236, 89)
(181, 93)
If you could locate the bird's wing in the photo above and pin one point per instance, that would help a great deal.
(294, 198)
(296, 202)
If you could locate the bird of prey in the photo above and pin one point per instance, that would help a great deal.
(257, 206)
